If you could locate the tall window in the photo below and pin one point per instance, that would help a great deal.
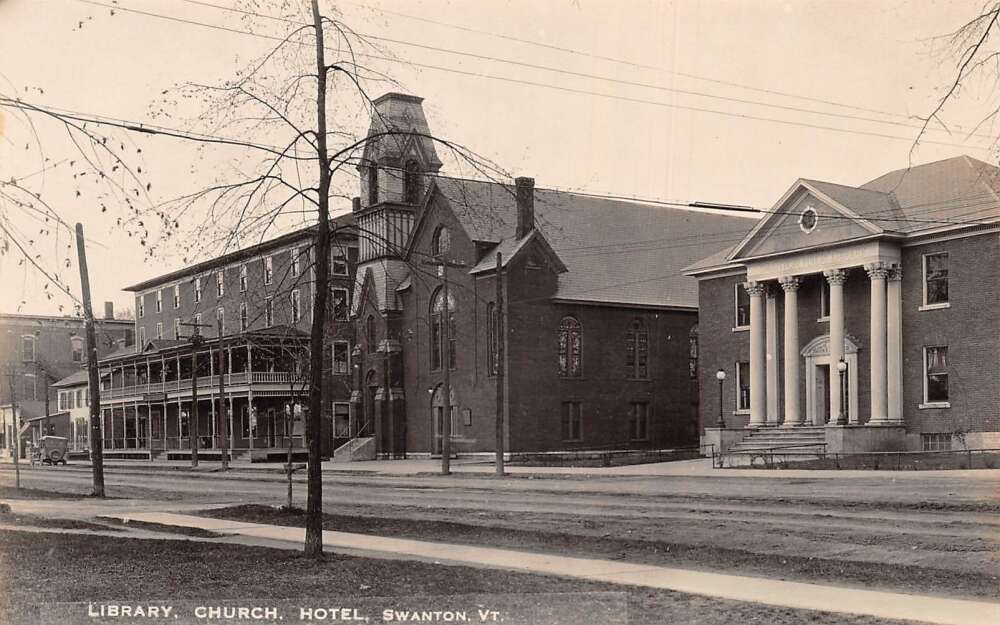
(27, 348)
(441, 243)
(177, 296)
(142, 339)
(243, 278)
(743, 385)
(373, 184)
(296, 306)
(742, 307)
(338, 261)
(936, 279)
(244, 321)
(572, 421)
(177, 328)
(220, 318)
(570, 348)
(268, 270)
(159, 300)
(411, 182)
(268, 312)
(824, 298)
(159, 329)
(638, 423)
(340, 305)
(197, 324)
(294, 254)
(492, 338)
(440, 351)
(637, 350)
(936, 375)
(140, 308)
(370, 332)
(693, 353)
(197, 290)
(341, 357)
(220, 283)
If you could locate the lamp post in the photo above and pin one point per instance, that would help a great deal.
(841, 369)
(720, 375)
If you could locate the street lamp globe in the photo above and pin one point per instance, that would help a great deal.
(720, 375)
(841, 366)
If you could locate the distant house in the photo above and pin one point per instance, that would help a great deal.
(867, 314)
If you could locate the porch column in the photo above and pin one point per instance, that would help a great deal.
(836, 278)
(771, 342)
(894, 357)
(877, 273)
(758, 353)
(793, 415)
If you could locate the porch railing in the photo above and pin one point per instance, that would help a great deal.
(204, 382)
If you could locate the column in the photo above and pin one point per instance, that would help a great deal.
(758, 381)
(836, 278)
(793, 415)
(771, 357)
(894, 357)
(877, 273)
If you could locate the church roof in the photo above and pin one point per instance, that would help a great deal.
(615, 251)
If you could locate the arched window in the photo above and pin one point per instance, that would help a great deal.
(637, 350)
(441, 243)
(373, 184)
(370, 332)
(570, 348)
(411, 182)
(493, 339)
(438, 347)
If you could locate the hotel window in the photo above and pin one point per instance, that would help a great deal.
(76, 344)
(159, 301)
(572, 421)
(177, 328)
(570, 348)
(340, 305)
(197, 324)
(220, 318)
(159, 329)
(936, 441)
(27, 348)
(341, 357)
(243, 278)
(338, 262)
(140, 308)
(936, 279)
(268, 313)
(177, 296)
(637, 351)
(743, 385)
(142, 339)
(296, 308)
(243, 317)
(220, 283)
(268, 270)
(824, 299)
(638, 423)
(197, 290)
(742, 306)
(935, 375)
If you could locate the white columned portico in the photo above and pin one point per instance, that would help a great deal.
(836, 278)
(758, 381)
(793, 415)
(894, 337)
(877, 273)
(771, 357)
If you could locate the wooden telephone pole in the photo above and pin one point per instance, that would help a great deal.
(196, 340)
(96, 438)
(11, 375)
(499, 362)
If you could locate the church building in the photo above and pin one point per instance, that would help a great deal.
(597, 324)
(860, 318)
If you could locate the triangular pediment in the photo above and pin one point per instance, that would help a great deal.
(806, 217)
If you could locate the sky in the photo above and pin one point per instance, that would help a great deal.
(714, 101)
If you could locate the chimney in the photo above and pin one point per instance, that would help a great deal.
(109, 310)
(525, 206)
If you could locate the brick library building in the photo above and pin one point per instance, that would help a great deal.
(863, 317)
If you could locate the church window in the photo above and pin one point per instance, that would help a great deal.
(439, 349)
(742, 307)
(441, 243)
(936, 279)
(411, 182)
(637, 350)
(370, 332)
(570, 348)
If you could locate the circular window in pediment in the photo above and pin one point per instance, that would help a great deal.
(808, 219)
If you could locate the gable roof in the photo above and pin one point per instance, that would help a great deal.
(615, 251)
(77, 378)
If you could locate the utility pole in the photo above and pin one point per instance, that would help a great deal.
(223, 418)
(499, 362)
(96, 438)
(196, 340)
(442, 267)
(17, 425)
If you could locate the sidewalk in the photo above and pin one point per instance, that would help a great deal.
(796, 595)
